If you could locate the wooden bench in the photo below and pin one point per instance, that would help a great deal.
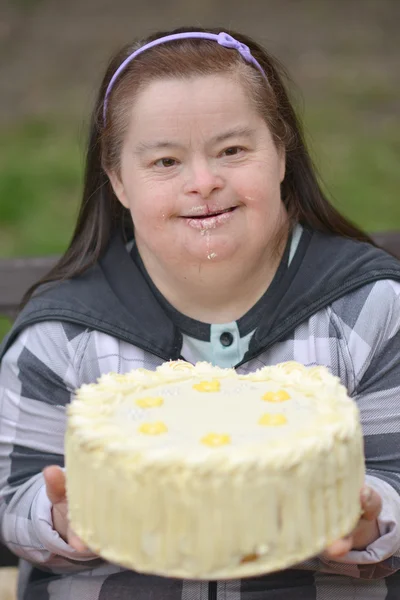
(17, 274)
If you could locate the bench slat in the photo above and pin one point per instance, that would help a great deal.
(16, 276)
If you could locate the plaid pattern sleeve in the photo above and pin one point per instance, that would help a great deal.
(36, 380)
(371, 340)
(358, 338)
(371, 349)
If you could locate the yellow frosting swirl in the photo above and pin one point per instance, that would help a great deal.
(216, 439)
(154, 428)
(208, 386)
(150, 402)
(273, 420)
(279, 396)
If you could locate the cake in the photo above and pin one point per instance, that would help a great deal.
(199, 472)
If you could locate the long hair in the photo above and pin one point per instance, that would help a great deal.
(101, 214)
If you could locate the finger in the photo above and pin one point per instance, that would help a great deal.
(371, 503)
(55, 484)
(76, 542)
(339, 548)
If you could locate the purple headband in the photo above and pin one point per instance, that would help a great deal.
(223, 39)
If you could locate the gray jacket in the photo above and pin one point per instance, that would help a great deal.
(337, 304)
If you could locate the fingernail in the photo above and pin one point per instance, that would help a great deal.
(366, 495)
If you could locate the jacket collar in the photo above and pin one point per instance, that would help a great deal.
(114, 297)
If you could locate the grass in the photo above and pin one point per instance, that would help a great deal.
(4, 327)
(40, 176)
(355, 143)
(359, 165)
(40, 180)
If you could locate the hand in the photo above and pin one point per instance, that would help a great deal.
(55, 488)
(366, 531)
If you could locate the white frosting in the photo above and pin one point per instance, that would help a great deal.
(171, 503)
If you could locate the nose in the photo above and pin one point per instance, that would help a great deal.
(202, 179)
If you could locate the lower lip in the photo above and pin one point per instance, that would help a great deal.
(209, 222)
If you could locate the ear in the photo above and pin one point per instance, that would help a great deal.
(118, 187)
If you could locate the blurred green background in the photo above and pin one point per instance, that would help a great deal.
(343, 57)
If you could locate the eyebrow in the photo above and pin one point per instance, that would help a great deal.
(221, 137)
(235, 132)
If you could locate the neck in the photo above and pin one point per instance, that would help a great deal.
(212, 292)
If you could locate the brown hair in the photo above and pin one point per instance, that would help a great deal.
(101, 214)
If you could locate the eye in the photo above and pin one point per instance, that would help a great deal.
(166, 162)
(232, 151)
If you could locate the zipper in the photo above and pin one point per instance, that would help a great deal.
(212, 590)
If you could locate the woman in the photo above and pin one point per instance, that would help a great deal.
(203, 234)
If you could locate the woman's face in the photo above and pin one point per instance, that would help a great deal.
(200, 173)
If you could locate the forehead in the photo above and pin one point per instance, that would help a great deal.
(207, 101)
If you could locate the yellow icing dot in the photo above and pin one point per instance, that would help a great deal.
(208, 386)
(216, 439)
(273, 420)
(153, 428)
(150, 402)
(279, 396)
